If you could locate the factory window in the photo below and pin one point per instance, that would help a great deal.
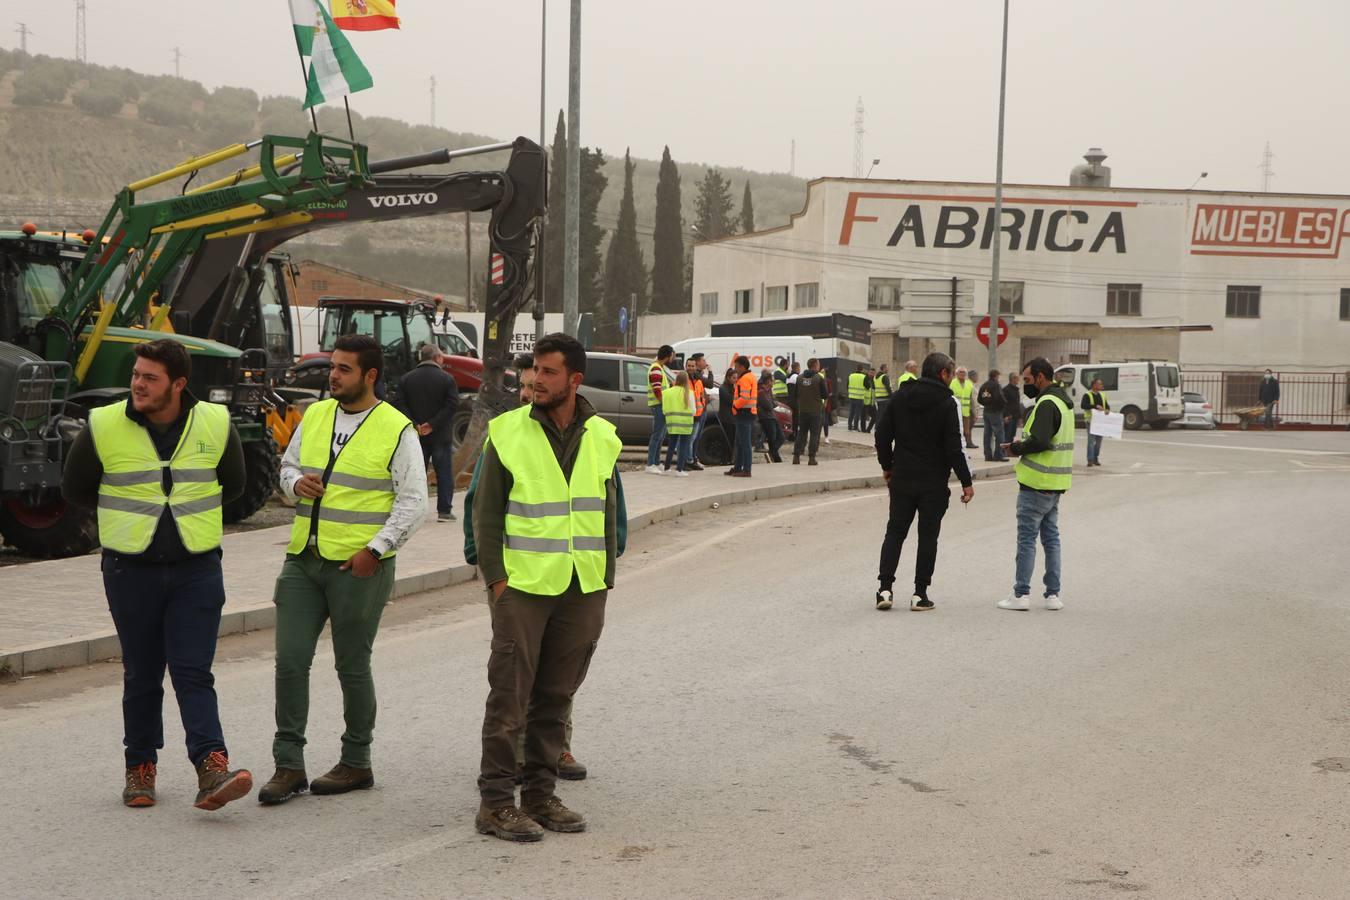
(808, 296)
(318, 284)
(707, 303)
(1123, 299)
(743, 301)
(1345, 304)
(883, 293)
(775, 299)
(1244, 301)
(1010, 297)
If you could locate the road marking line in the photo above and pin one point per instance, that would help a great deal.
(1252, 449)
(1211, 473)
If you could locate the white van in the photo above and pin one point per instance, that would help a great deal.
(1144, 392)
(762, 350)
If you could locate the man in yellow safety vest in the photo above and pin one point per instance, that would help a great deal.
(546, 530)
(964, 389)
(1044, 474)
(159, 466)
(356, 469)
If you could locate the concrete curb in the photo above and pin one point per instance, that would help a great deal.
(94, 648)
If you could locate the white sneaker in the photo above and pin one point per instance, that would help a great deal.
(1053, 602)
(679, 474)
(827, 440)
(653, 470)
(1012, 601)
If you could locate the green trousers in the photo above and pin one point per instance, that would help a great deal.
(520, 739)
(310, 592)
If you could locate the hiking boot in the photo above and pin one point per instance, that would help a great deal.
(285, 784)
(796, 460)
(554, 816)
(341, 779)
(217, 785)
(812, 462)
(140, 789)
(507, 823)
(570, 769)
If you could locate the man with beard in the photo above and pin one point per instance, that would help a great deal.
(547, 534)
(159, 467)
(355, 467)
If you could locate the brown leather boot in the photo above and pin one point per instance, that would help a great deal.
(554, 816)
(140, 789)
(217, 785)
(284, 784)
(341, 779)
(507, 823)
(570, 769)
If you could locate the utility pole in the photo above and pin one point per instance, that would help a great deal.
(995, 289)
(81, 45)
(858, 133)
(177, 62)
(572, 236)
(1267, 173)
(433, 101)
(468, 267)
(539, 279)
(24, 32)
(792, 158)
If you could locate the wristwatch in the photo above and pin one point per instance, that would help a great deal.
(372, 552)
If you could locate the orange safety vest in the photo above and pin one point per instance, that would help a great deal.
(700, 402)
(747, 393)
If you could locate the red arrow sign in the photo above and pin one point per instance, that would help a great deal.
(982, 331)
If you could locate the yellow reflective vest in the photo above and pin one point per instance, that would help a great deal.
(963, 394)
(358, 490)
(1049, 470)
(131, 496)
(652, 399)
(1095, 398)
(857, 389)
(675, 405)
(780, 386)
(881, 388)
(907, 376)
(554, 526)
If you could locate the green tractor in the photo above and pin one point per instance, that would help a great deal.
(72, 309)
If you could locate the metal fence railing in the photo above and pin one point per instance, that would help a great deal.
(1319, 399)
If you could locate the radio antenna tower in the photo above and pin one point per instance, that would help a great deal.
(858, 133)
(1267, 173)
(24, 31)
(177, 62)
(792, 158)
(433, 101)
(81, 45)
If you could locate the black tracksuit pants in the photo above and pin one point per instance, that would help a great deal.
(929, 502)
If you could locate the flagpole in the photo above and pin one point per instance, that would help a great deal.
(350, 133)
(304, 76)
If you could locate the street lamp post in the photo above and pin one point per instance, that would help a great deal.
(572, 236)
(995, 291)
(539, 279)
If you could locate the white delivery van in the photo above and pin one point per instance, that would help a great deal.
(471, 326)
(762, 350)
(1146, 393)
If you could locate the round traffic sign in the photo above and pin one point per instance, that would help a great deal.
(982, 331)
(623, 320)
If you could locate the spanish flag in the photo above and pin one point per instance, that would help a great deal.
(364, 15)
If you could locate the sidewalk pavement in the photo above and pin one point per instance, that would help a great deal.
(53, 614)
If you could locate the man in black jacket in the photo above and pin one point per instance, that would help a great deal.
(1012, 408)
(919, 444)
(1269, 395)
(992, 401)
(431, 399)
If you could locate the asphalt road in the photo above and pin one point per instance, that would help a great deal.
(755, 728)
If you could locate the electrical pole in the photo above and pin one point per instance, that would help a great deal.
(433, 101)
(81, 45)
(858, 133)
(468, 268)
(177, 62)
(792, 158)
(1267, 173)
(24, 32)
(572, 236)
(995, 289)
(539, 279)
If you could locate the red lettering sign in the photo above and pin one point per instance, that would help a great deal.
(1243, 230)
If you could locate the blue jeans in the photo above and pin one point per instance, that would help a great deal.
(693, 439)
(658, 435)
(680, 446)
(1037, 514)
(1269, 419)
(167, 615)
(993, 435)
(1094, 447)
(855, 415)
(441, 455)
(745, 426)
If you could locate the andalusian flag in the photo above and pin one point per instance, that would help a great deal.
(364, 15)
(334, 68)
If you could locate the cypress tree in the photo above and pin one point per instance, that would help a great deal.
(555, 227)
(712, 207)
(625, 269)
(668, 290)
(747, 210)
(593, 184)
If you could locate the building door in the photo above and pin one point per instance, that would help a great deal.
(1060, 351)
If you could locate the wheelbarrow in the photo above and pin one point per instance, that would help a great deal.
(1252, 415)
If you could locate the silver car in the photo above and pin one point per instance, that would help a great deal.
(616, 385)
(1198, 412)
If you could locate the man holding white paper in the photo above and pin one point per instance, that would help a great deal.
(1094, 401)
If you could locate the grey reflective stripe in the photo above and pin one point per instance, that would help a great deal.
(127, 479)
(192, 507)
(588, 504)
(1048, 470)
(536, 545)
(123, 504)
(352, 517)
(536, 510)
(186, 475)
(1061, 446)
(360, 483)
(310, 470)
(589, 543)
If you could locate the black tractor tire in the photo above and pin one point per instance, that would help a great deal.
(262, 465)
(713, 447)
(54, 530)
(459, 425)
(1134, 418)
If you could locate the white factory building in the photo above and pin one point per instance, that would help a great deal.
(1220, 281)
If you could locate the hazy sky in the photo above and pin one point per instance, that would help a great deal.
(1169, 88)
